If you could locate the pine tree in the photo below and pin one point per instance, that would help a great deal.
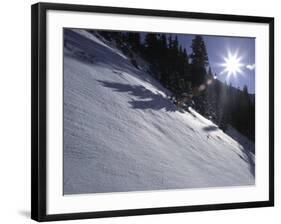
(163, 58)
(170, 42)
(134, 40)
(199, 60)
(175, 44)
(199, 54)
(151, 47)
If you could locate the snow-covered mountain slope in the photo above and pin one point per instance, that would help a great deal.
(243, 140)
(122, 133)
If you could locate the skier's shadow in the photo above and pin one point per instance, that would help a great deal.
(142, 98)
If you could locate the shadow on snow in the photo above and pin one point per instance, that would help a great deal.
(145, 99)
(210, 128)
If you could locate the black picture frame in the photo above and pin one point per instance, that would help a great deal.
(39, 116)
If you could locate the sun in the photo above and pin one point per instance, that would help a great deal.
(232, 64)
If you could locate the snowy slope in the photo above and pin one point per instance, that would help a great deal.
(243, 140)
(121, 133)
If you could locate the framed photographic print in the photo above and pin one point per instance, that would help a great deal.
(138, 111)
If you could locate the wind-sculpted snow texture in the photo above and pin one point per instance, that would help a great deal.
(122, 133)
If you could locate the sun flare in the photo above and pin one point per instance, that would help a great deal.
(232, 64)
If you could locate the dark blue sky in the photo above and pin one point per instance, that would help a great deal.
(218, 48)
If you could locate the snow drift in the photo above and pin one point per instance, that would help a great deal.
(122, 133)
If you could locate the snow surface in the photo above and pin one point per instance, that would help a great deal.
(122, 133)
(243, 140)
